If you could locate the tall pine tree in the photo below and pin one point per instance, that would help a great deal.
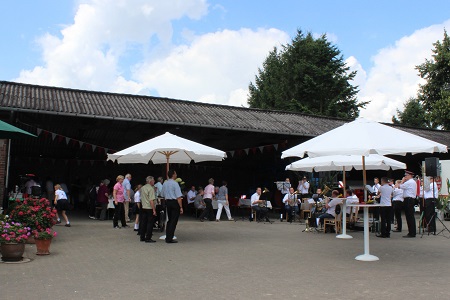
(308, 76)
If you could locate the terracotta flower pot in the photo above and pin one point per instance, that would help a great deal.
(12, 251)
(43, 246)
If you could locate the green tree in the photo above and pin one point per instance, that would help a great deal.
(308, 75)
(435, 93)
(413, 114)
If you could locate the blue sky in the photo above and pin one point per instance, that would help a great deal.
(210, 50)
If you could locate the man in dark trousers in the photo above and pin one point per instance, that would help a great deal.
(172, 194)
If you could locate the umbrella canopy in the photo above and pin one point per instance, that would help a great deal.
(363, 137)
(8, 131)
(345, 162)
(165, 148)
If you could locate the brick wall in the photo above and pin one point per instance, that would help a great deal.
(3, 159)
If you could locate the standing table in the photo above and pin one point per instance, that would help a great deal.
(366, 256)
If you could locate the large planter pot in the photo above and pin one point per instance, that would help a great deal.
(12, 251)
(43, 246)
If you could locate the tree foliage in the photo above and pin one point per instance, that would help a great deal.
(435, 93)
(413, 114)
(309, 76)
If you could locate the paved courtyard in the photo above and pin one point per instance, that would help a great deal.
(228, 260)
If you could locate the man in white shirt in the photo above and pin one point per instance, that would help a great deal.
(291, 204)
(431, 194)
(397, 203)
(351, 199)
(331, 207)
(191, 198)
(303, 188)
(385, 193)
(409, 187)
(261, 211)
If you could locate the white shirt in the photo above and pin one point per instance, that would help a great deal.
(289, 196)
(303, 187)
(191, 194)
(397, 194)
(286, 187)
(385, 194)
(409, 188)
(158, 186)
(137, 197)
(60, 195)
(429, 193)
(353, 199)
(254, 197)
(376, 188)
(332, 206)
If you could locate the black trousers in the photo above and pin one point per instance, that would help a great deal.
(147, 221)
(208, 212)
(408, 204)
(173, 213)
(103, 212)
(119, 213)
(430, 204)
(398, 207)
(261, 212)
(385, 215)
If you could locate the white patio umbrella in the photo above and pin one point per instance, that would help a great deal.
(167, 148)
(345, 163)
(364, 137)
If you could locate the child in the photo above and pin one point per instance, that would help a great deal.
(62, 204)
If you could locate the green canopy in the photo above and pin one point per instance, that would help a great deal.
(7, 131)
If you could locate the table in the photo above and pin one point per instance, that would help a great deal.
(366, 256)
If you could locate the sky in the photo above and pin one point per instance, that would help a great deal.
(210, 50)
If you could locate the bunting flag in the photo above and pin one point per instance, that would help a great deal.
(232, 153)
(246, 151)
(261, 148)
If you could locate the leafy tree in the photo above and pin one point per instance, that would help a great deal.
(308, 76)
(435, 93)
(413, 114)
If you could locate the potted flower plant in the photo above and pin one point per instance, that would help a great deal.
(35, 213)
(12, 238)
(43, 240)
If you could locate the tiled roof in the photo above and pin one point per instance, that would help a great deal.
(62, 101)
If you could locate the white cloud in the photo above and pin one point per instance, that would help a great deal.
(393, 78)
(88, 53)
(214, 68)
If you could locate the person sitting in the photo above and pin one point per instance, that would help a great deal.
(291, 201)
(351, 199)
(331, 207)
(319, 199)
(199, 204)
(259, 206)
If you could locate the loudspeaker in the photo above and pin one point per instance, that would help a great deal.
(431, 166)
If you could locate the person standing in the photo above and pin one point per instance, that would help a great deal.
(431, 193)
(148, 210)
(385, 192)
(397, 203)
(103, 198)
(62, 204)
(208, 194)
(303, 188)
(190, 199)
(222, 201)
(127, 196)
(172, 193)
(137, 206)
(118, 196)
(409, 187)
(158, 186)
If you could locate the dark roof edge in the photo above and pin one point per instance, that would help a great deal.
(141, 120)
(177, 100)
(417, 128)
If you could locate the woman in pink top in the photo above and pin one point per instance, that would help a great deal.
(208, 194)
(119, 211)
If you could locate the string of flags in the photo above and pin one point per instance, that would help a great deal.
(73, 142)
(254, 150)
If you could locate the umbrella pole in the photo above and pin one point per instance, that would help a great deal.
(167, 166)
(343, 180)
(364, 177)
